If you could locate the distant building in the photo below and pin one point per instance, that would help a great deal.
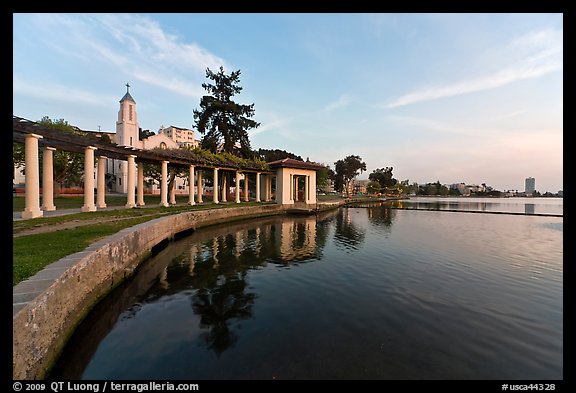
(184, 137)
(530, 186)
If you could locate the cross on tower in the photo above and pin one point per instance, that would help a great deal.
(127, 88)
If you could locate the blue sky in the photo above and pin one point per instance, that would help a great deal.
(474, 98)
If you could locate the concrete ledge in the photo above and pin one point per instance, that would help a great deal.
(49, 306)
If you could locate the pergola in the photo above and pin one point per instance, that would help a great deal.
(35, 136)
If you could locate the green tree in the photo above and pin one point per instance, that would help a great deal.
(347, 169)
(323, 177)
(221, 120)
(270, 155)
(384, 177)
(373, 187)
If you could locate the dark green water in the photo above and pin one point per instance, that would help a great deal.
(357, 293)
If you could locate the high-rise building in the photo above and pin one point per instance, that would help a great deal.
(530, 185)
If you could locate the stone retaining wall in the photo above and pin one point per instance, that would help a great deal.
(49, 306)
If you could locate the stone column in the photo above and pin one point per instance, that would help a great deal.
(199, 185)
(257, 186)
(215, 192)
(89, 205)
(140, 185)
(295, 179)
(306, 189)
(32, 172)
(101, 183)
(246, 192)
(131, 183)
(173, 193)
(191, 186)
(224, 190)
(238, 186)
(164, 185)
(268, 188)
(48, 179)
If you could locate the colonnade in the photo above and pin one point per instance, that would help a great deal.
(135, 195)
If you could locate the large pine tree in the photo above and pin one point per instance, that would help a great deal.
(222, 121)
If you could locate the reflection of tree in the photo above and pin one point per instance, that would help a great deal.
(348, 234)
(381, 215)
(218, 305)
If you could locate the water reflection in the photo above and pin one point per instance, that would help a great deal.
(505, 205)
(348, 235)
(210, 268)
(429, 296)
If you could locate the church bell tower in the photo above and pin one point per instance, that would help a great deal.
(127, 124)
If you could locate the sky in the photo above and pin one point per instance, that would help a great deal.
(473, 98)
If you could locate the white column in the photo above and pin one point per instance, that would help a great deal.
(89, 205)
(295, 178)
(164, 185)
(199, 185)
(246, 192)
(224, 190)
(101, 183)
(173, 193)
(191, 184)
(131, 184)
(306, 189)
(32, 186)
(268, 187)
(140, 185)
(238, 186)
(48, 179)
(257, 186)
(215, 192)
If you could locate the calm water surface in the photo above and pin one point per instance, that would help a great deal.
(357, 293)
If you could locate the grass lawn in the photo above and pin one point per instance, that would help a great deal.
(32, 253)
(75, 202)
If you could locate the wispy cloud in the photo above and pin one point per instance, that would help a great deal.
(269, 125)
(135, 45)
(51, 91)
(510, 114)
(533, 55)
(341, 102)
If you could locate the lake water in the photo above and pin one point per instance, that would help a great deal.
(367, 292)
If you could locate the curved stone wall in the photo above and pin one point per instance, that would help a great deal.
(48, 306)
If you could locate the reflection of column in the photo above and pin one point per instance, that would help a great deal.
(192, 258)
(286, 243)
(215, 192)
(101, 183)
(215, 252)
(164, 185)
(257, 242)
(246, 191)
(140, 185)
(237, 245)
(164, 278)
(89, 205)
(224, 189)
(191, 183)
(257, 186)
(238, 186)
(48, 179)
(32, 185)
(199, 180)
(131, 183)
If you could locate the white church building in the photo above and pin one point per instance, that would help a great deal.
(127, 134)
